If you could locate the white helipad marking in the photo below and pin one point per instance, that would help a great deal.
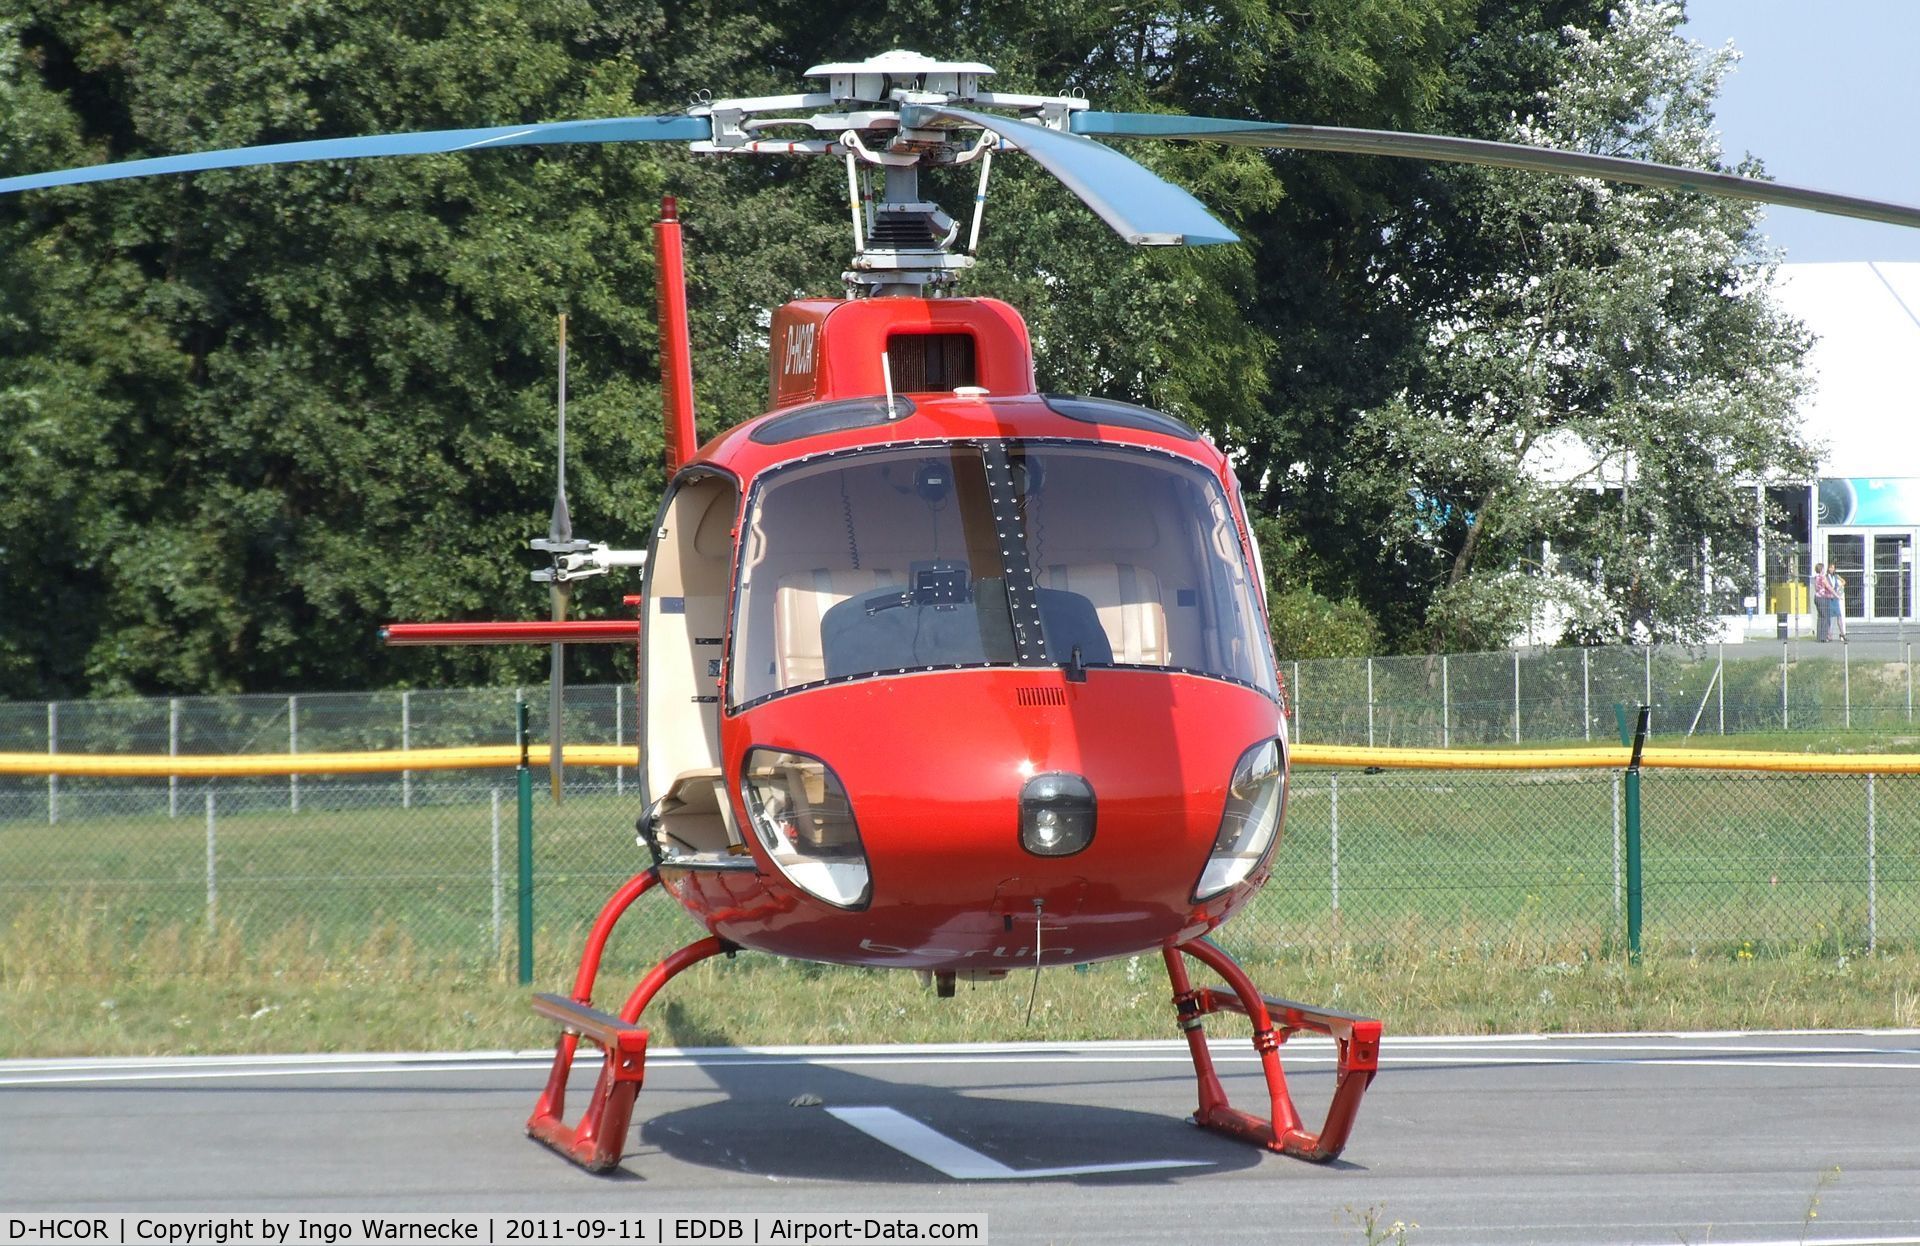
(963, 1163)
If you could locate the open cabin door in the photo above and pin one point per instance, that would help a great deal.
(688, 819)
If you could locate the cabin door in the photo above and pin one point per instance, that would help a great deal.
(683, 639)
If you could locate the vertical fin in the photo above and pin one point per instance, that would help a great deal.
(676, 350)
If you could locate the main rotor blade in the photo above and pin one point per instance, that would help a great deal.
(1481, 151)
(1142, 207)
(605, 130)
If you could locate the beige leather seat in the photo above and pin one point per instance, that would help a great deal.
(695, 822)
(1127, 599)
(803, 600)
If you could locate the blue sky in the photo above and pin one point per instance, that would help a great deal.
(1827, 94)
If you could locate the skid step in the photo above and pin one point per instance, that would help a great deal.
(574, 1017)
(598, 1141)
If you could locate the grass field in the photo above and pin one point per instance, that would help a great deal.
(1454, 901)
(75, 989)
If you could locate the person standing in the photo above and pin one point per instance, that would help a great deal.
(1839, 604)
(1824, 601)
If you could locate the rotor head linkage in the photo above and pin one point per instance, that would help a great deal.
(904, 244)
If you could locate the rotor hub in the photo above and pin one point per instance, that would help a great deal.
(904, 244)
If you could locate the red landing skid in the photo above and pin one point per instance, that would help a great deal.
(598, 1141)
(1357, 1040)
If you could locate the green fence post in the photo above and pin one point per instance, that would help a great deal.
(1637, 742)
(526, 854)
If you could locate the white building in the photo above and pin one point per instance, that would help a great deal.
(1862, 513)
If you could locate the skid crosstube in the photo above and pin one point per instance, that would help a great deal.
(1357, 1040)
(598, 1141)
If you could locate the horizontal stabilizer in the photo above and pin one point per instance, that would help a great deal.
(558, 632)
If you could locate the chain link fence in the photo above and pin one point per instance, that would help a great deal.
(1544, 696)
(1534, 863)
(1553, 696)
(306, 723)
(1528, 863)
(351, 876)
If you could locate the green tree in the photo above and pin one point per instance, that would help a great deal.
(245, 417)
(1304, 622)
(248, 416)
(1599, 392)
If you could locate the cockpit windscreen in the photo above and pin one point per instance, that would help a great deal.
(994, 553)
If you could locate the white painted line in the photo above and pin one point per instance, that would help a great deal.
(929, 1146)
(215, 1070)
(1819, 1241)
(1293, 1053)
(1307, 1053)
(1386, 1064)
(344, 1059)
(1550, 1044)
(1677, 1035)
(1806, 1060)
(917, 1053)
(371, 1070)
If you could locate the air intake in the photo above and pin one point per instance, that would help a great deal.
(1040, 696)
(901, 231)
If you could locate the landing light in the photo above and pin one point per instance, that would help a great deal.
(1248, 825)
(1056, 815)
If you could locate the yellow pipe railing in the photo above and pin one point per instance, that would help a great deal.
(1605, 759)
(383, 761)
(502, 756)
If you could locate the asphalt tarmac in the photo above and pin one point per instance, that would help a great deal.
(1728, 1138)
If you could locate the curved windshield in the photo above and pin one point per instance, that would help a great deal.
(992, 554)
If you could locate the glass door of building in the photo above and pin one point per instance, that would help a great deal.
(1878, 569)
(1847, 559)
(1890, 583)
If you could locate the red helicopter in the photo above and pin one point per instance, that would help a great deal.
(938, 672)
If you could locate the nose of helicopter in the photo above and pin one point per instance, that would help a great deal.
(1021, 808)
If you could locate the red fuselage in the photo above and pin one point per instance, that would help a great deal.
(934, 766)
(933, 760)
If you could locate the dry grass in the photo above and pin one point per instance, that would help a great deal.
(74, 983)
